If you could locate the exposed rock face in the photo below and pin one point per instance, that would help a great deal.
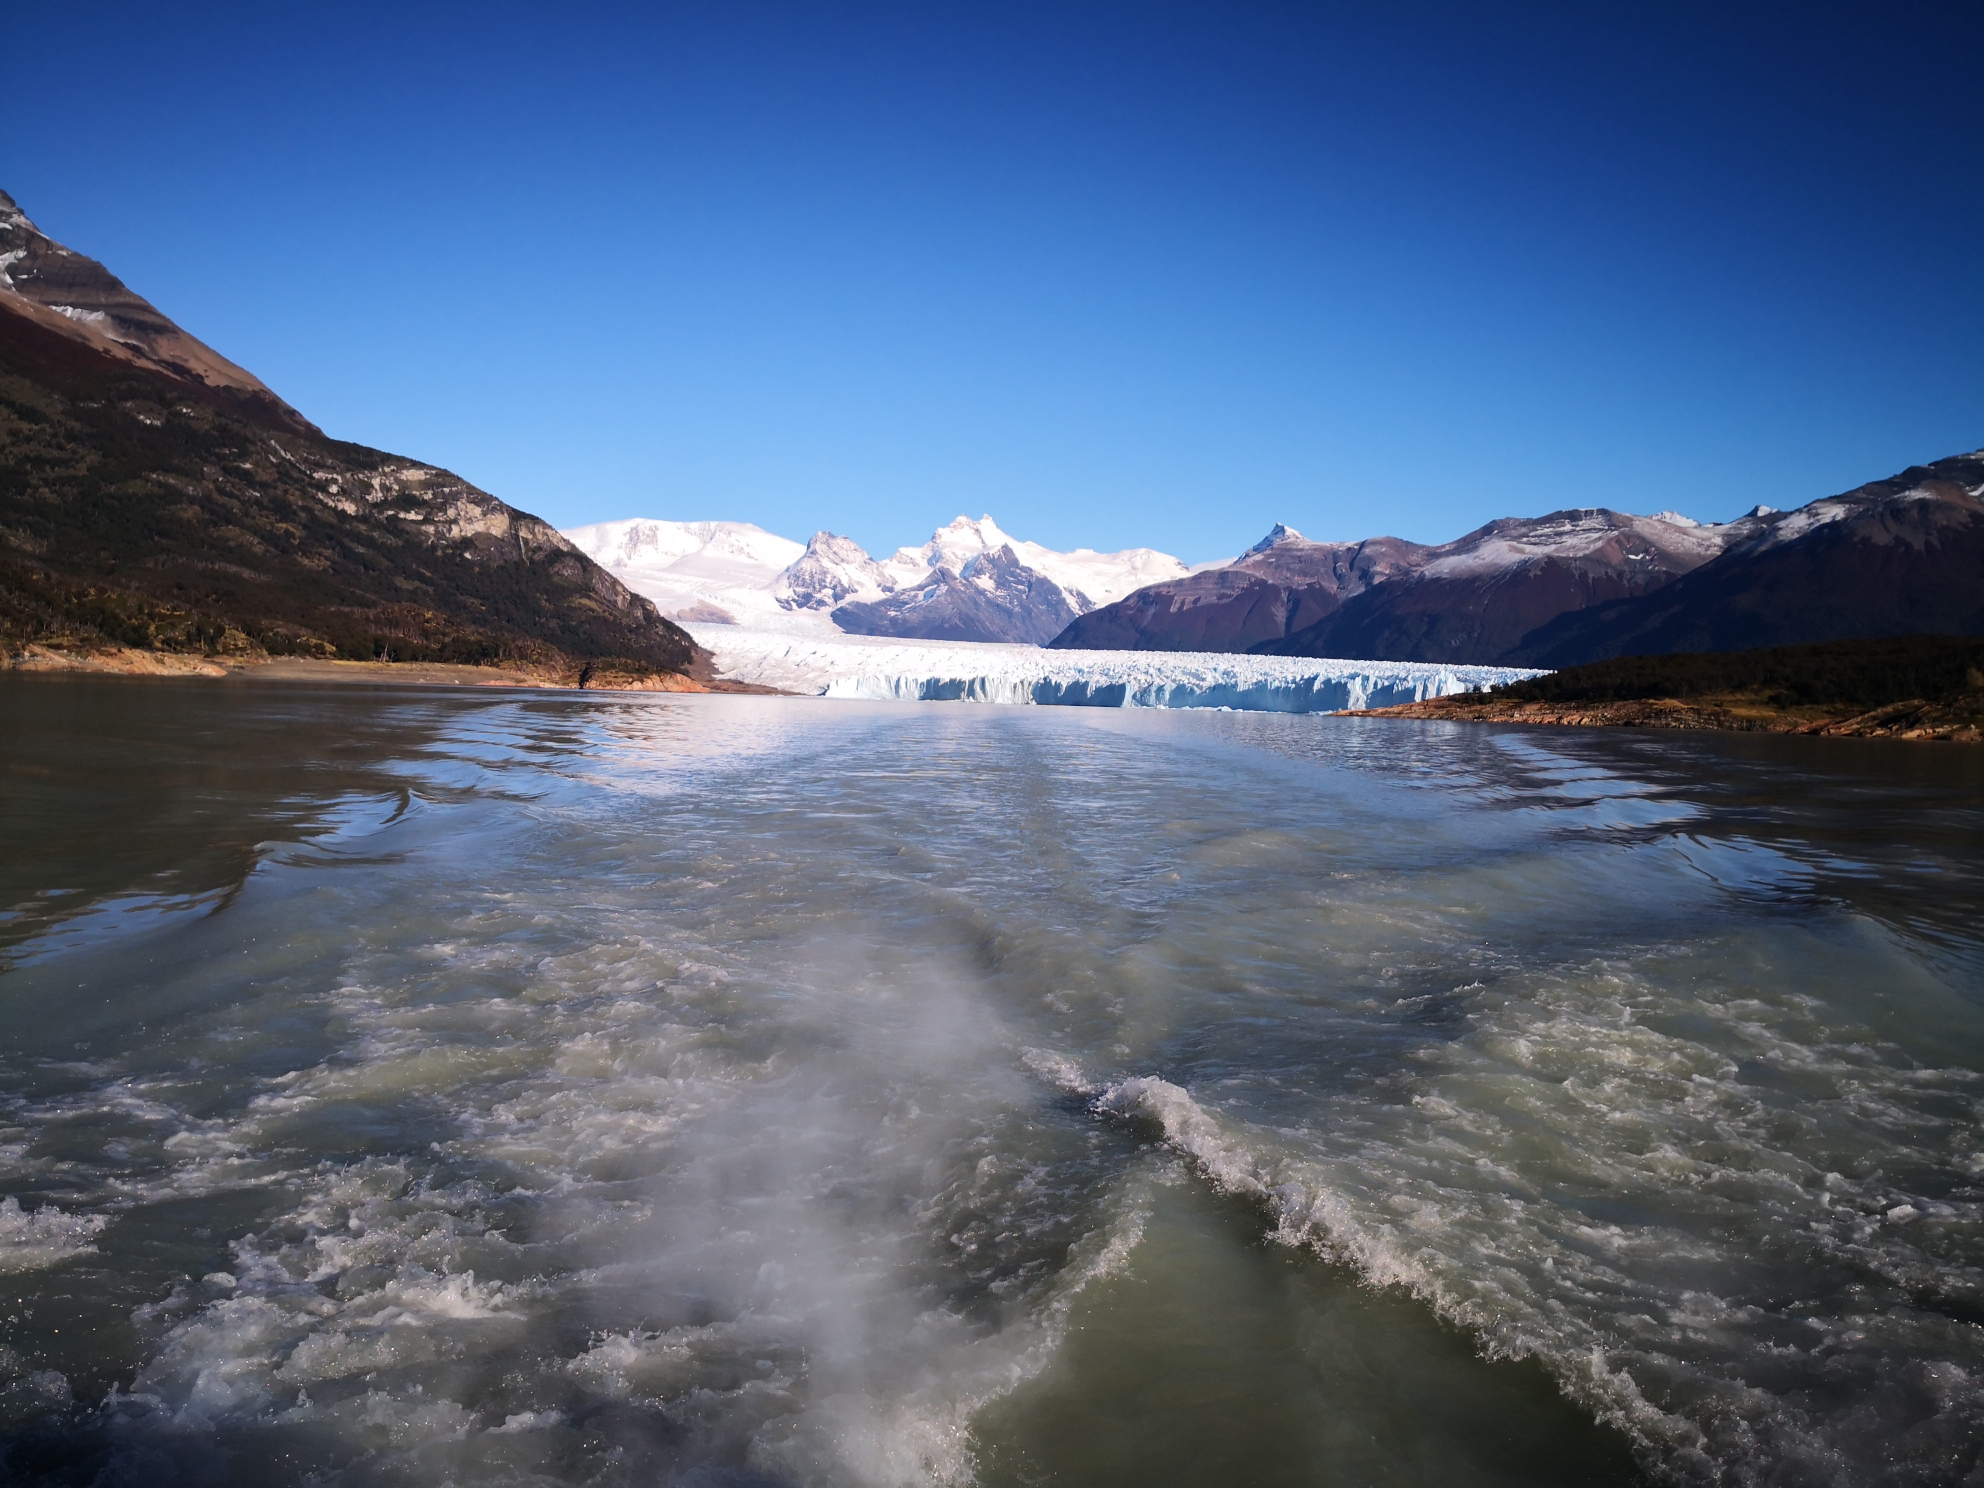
(152, 495)
(995, 597)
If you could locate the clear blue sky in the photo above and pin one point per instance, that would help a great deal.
(1140, 274)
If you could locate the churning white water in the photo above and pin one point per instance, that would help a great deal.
(404, 1087)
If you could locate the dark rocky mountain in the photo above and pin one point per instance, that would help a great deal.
(1896, 557)
(79, 298)
(1901, 556)
(1283, 584)
(154, 495)
(1479, 597)
(993, 597)
(1385, 599)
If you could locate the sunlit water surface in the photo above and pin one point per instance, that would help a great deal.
(409, 1087)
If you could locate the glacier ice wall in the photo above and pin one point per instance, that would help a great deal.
(900, 671)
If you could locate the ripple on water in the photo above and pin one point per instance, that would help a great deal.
(611, 1091)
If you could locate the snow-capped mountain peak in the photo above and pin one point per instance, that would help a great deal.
(991, 596)
(1088, 578)
(735, 573)
(951, 546)
(831, 571)
(1280, 533)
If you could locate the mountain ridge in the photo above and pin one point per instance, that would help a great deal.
(154, 496)
(77, 297)
(1567, 587)
(1027, 595)
(1903, 555)
(1895, 556)
(1483, 593)
(991, 596)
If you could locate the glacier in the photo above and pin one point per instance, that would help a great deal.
(885, 670)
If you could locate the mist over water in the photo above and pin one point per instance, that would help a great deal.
(406, 1087)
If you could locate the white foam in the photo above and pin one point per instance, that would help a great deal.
(821, 1361)
(1468, 1198)
(34, 1240)
(1306, 1213)
(737, 1105)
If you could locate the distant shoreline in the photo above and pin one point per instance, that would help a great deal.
(1953, 721)
(1882, 687)
(128, 662)
(1911, 719)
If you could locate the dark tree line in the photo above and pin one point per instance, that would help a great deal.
(1862, 674)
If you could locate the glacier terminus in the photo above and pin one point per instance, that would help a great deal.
(846, 666)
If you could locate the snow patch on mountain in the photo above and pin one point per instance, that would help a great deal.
(648, 543)
(881, 669)
(1090, 578)
(1808, 518)
(1583, 533)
